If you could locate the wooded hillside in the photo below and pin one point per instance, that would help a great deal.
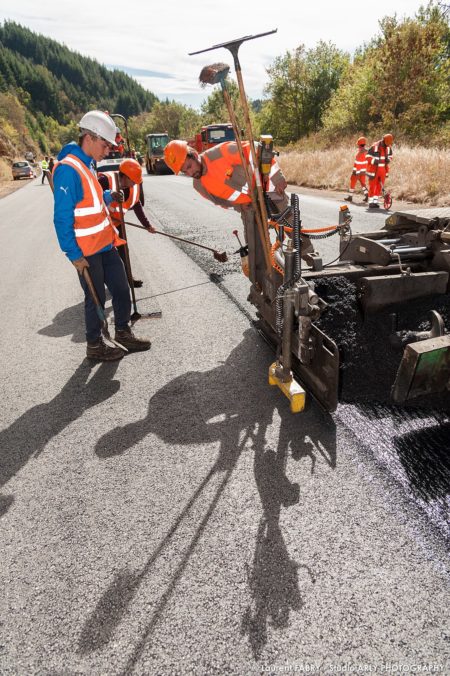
(45, 88)
(53, 80)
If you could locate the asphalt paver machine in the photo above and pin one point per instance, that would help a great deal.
(374, 324)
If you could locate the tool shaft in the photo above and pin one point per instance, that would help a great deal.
(180, 239)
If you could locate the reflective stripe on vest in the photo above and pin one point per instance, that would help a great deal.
(220, 162)
(223, 172)
(360, 163)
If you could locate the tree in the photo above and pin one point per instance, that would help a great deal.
(348, 110)
(174, 118)
(411, 73)
(300, 86)
(400, 82)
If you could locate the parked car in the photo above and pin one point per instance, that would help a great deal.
(22, 169)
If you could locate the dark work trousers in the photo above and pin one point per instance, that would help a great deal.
(106, 269)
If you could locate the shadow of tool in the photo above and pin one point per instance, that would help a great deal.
(27, 436)
(222, 405)
(273, 575)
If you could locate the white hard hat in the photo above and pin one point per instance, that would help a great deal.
(101, 124)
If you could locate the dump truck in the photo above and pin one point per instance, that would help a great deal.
(154, 153)
(210, 135)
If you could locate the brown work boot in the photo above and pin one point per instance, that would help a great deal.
(133, 344)
(102, 352)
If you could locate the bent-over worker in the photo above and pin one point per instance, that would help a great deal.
(220, 177)
(125, 187)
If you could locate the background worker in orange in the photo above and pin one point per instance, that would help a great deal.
(378, 159)
(126, 188)
(220, 177)
(359, 170)
(120, 142)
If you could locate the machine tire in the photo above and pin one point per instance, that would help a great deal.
(148, 168)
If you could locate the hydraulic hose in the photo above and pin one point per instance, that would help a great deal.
(281, 219)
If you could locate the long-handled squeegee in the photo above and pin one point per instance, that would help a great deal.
(220, 256)
(233, 47)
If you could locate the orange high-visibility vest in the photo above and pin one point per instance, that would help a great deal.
(378, 156)
(360, 163)
(129, 203)
(92, 224)
(224, 176)
(220, 163)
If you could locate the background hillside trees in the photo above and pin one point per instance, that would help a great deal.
(62, 83)
(400, 82)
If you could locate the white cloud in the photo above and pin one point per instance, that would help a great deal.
(158, 36)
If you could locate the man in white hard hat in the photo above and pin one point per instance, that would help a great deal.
(87, 236)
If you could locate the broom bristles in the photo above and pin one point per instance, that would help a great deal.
(213, 73)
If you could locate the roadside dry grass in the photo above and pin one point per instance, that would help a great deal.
(420, 175)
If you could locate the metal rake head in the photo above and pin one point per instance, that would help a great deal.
(213, 74)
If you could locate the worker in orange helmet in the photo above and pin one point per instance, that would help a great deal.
(120, 142)
(378, 157)
(359, 170)
(125, 187)
(220, 177)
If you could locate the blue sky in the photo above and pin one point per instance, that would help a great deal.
(151, 40)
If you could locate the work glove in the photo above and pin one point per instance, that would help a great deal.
(117, 196)
(80, 264)
(150, 228)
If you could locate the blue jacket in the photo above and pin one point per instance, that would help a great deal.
(68, 192)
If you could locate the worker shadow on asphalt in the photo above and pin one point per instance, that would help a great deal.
(28, 436)
(69, 321)
(232, 405)
(273, 576)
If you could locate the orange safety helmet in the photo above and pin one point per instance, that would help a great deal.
(388, 139)
(361, 141)
(132, 169)
(175, 154)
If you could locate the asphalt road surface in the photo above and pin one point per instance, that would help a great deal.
(167, 514)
